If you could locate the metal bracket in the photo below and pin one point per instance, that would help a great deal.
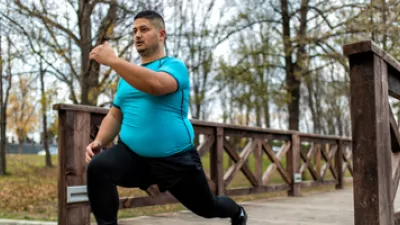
(297, 178)
(77, 194)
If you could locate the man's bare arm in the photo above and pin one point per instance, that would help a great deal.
(143, 79)
(110, 126)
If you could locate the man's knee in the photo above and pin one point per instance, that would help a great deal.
(207, 211)
(98, 165)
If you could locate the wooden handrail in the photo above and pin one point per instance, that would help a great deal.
(201, 123)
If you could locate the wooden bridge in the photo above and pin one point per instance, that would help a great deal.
(303, 160)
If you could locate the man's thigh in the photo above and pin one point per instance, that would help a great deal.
(122, 166)
(168, 171)
(193, 190)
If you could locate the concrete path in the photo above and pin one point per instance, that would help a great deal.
(327, 208)
(324, 208)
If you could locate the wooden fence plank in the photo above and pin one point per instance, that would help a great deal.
(276, 162)
(308, 163)
(272, 167)
(339, 164)
(240, 163)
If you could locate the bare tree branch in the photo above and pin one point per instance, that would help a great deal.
(47, 20)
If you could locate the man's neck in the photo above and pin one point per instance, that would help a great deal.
(157, 55)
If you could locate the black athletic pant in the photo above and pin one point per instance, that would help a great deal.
(181, 174)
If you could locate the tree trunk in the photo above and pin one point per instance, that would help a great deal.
(265, 97)
(197, 106)
(292, 84)
(3, 168)
(294, 104)
(3, 105)
(331, 126)
(319, 112)
(384, 14)
(3, 141)
(258, 113)
(267, 120)
(372, 20)
(259, 87)
(44, 117)
(266, 115)
(294, 70)
(339, 121)
(89, 69)
(20, 147)
(247, 115)
(311, 106)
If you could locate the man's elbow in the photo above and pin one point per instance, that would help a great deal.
(159, 89)
(155, 90)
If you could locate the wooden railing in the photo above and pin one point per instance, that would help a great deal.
(270, 160)
(375, 76)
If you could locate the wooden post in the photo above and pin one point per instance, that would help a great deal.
(293, 165)
(318, 161)
(259, 162)
(217, 166)
(371, 135)
(74, 135)
(339, 164)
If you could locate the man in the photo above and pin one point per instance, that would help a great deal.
(155, 146)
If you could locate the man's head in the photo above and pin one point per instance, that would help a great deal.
(148, 32)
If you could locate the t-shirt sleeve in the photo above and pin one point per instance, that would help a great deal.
(177, 70)
(117, 101)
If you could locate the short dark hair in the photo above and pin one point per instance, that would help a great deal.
(155, 18)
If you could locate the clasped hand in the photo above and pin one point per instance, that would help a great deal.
(103, 54)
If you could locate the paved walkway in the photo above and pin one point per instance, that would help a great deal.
(327, 208)
(324, 208)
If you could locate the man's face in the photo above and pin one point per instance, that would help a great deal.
(147, 38)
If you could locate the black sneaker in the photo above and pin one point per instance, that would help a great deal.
(241, 219)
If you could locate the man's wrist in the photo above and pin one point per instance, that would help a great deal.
(115, 62)
(99, 142)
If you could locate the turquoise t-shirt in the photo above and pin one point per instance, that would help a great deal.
(156, 126)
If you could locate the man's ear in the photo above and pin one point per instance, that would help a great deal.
(163, 34)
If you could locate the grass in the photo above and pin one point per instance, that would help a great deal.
(29, 190)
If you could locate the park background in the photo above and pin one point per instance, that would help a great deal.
(272, 64)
